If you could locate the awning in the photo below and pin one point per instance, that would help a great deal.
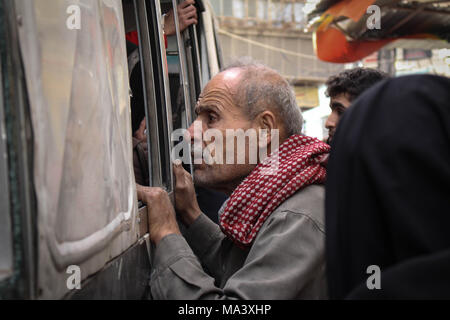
(347, 30)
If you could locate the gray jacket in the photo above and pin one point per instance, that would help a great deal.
(285, 261)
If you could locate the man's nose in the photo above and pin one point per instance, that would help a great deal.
(195, 131)
(331, 121)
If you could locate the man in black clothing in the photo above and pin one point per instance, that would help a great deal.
(387, 202)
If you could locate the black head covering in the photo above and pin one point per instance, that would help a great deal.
(388, 192)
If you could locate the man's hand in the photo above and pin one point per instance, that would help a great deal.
(140, 190)
(140, 133)
(161, 215)
(187, 15)
(185, 198)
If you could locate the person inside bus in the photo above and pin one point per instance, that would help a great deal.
(271, 240)
(140, 155)
(344, 88)
(208, 200)
(187, 14)
(387, 203)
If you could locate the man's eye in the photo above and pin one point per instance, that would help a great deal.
(212, 117)
(340, 111)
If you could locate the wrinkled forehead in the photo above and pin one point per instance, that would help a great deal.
(222, 88)
(226, 80)
(220, 93)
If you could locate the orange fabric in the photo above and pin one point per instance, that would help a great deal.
(331, 45)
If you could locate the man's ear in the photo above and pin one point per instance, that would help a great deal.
(266, 122)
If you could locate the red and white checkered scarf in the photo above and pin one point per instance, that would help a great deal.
(300, 162)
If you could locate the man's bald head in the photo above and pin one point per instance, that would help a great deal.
(256, 88)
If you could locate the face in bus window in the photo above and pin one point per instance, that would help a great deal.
(217, 110)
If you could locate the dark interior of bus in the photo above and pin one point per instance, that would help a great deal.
(209, 201)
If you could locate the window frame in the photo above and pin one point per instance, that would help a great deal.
(185, 67)
(153, 141)
(156, 92)
(190, 68)
(6, 243)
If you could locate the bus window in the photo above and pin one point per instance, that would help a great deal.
(184, 69)
(147, 72)
(150, 85)
(193, 59)
(6, 264)
(146, 160)
(156, 90)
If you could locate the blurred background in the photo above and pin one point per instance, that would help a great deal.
(280, 34)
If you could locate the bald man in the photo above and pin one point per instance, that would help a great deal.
(270, 242)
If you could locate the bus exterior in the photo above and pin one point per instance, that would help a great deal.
(70, 223)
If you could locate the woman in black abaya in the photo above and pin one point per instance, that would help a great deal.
(388, 193)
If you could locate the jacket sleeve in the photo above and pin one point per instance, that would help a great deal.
(287, 255)
(206, 241)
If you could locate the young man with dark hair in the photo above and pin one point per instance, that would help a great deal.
(344, 88)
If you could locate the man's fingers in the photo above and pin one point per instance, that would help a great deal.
(186, 3)
(149, 194)
(191, 21)
(188, 10)
(178, 170)
(180, 175)
(189, 15)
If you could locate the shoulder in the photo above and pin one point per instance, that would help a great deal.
(299, 219)
(308, 202)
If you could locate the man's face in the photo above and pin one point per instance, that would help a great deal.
(338, 105)
(216, 110)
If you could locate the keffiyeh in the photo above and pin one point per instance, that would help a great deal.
(298, 163)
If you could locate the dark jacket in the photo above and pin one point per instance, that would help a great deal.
(387, 202)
